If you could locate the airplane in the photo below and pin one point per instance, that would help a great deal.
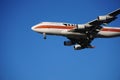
(81, 35)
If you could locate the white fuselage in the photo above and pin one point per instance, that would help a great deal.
(54, 28)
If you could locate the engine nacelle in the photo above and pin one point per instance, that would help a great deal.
(84, 26)
(68, 43)
(104, 18)
(81, 27)
(77, 47)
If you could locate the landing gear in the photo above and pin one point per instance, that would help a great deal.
(44, 36)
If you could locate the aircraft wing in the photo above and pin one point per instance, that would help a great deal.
(105, 19)
(95, 24)
(115, 13)
(92, 28)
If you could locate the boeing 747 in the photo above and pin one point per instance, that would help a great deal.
(81, 35)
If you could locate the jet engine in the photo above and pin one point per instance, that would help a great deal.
(81, 27)
(68, 43)
(104, 18)
(77, 47)
(84, 26)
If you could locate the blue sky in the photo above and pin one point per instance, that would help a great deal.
(24, 55)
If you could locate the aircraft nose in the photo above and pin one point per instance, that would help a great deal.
(33, 28)
(36, 27)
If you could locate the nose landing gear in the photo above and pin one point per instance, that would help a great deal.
(44, 36)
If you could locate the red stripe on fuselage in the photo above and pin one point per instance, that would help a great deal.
(54, 27)
(72, 27)
(110, 29)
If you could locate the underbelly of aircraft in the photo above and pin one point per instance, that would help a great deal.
(66, 32)
(108, 34)
(61, 32)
